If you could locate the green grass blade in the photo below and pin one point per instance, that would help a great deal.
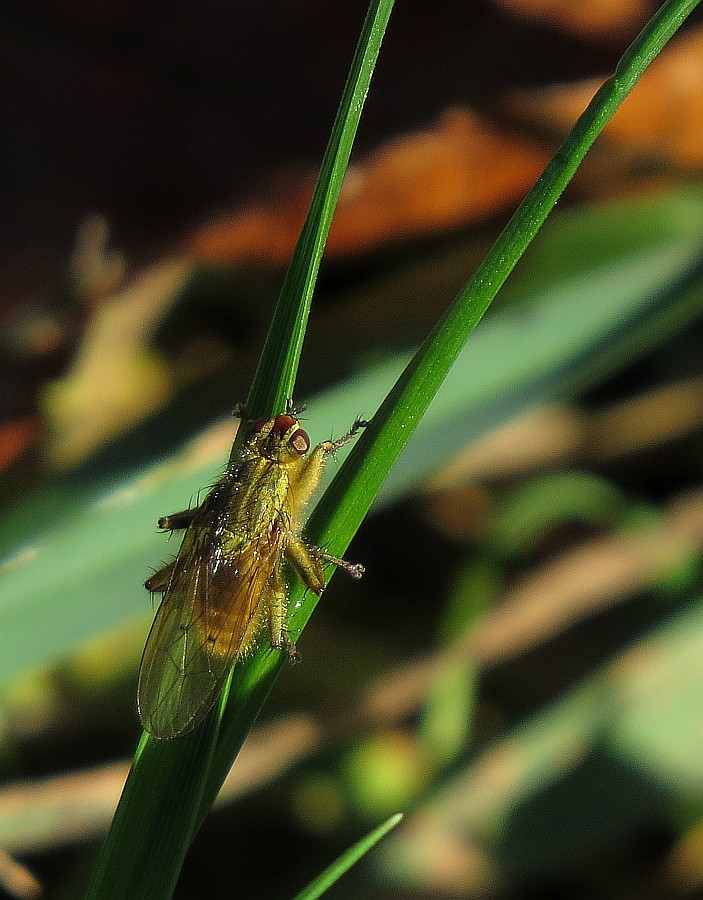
(347, 500)
(341, 866)
(142, 857)
(345, 503)
(171, 785)
(274, 380)
(81, 544)
(162, 803)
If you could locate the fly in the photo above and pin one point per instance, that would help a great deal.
(227, 583)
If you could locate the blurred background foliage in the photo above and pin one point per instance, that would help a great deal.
(520, 671)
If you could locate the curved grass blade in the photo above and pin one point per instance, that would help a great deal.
(341, 866)
(347, 500)
(274, 380)
(161, 805)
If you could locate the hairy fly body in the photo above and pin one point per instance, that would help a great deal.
(227, 583)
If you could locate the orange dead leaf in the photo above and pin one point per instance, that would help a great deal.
(16, 437)
(453, 174)
(660, 119)
(605, 20)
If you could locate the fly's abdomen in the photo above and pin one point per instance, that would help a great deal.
(229, 615)
(227, 635)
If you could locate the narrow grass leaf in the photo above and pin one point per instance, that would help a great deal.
(341, 866)
(163, 802)
(349, 497)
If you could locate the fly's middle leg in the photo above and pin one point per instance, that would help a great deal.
(356, 570)
(307, 561)
(178, 521)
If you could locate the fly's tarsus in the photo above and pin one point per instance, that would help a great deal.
(294, 410)
(355, 570)
(333, 446)
(294, 656)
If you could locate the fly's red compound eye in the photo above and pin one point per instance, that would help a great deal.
(283, 423)
(299, 441)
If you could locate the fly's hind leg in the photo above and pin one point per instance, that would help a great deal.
(277, 614)
(159, 581)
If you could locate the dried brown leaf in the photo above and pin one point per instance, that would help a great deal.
(458, 172)
(603, 20)
(660, 120)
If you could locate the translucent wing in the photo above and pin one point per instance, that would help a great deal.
(208, 615)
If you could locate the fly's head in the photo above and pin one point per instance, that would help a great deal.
(280, 439)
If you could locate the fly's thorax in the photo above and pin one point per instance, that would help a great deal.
(271, 483)
(258, 502)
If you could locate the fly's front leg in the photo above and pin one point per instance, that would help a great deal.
(333, 446)
(310, 471)
(306, 559)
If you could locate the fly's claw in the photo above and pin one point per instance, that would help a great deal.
(294, 656)
(355, 570)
